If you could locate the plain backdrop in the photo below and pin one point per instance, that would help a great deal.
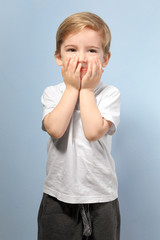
(27, 67)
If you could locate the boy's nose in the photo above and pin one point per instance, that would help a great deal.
(82, 57)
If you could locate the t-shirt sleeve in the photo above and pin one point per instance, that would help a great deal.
(110, 107)
(49, 101)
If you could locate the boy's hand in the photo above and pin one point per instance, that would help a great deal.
(71, 72)
(93, 75)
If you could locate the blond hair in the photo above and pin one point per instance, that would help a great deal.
(77, 22)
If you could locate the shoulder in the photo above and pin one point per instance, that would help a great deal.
(52, 93)
(59, 88)
(106, 90)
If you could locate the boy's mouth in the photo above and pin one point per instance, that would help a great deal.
(84, 69)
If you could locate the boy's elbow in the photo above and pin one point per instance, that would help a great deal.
(95, 134)
(92, 136)
(53, 132)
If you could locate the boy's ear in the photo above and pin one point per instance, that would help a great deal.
(106, 58)
(58, 59)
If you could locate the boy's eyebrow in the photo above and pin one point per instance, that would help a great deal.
(72, 45)
(93, 47)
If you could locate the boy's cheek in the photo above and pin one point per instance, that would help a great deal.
(96, 57)
(67, 57)
(65, 60)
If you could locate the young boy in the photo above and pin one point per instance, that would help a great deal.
(80, 199)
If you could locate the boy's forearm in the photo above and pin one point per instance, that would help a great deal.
(94, 125)
(56, 122)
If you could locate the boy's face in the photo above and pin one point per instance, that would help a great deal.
(85, 44)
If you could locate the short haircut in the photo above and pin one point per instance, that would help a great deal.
(77, 22)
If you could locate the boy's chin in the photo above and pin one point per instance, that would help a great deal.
(83, 74)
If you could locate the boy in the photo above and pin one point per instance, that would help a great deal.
(80, 199)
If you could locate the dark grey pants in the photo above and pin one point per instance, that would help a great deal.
(63, 221)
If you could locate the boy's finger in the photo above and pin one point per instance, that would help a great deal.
(95, 67)
(78, 69)
(89, 70)
(66, 63)
(100, 66)
(73, 63)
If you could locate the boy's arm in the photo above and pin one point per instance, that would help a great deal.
(94, 125)
(56, 122)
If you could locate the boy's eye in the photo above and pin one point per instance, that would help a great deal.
(92, 51)
(71, 50)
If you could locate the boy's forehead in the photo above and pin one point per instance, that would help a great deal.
(86, 34)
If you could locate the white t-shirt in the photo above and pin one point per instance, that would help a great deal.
(78, 170)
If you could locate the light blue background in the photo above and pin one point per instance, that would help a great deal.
(27, 66)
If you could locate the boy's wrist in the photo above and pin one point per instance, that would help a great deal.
(87, 90)
(72, 89)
